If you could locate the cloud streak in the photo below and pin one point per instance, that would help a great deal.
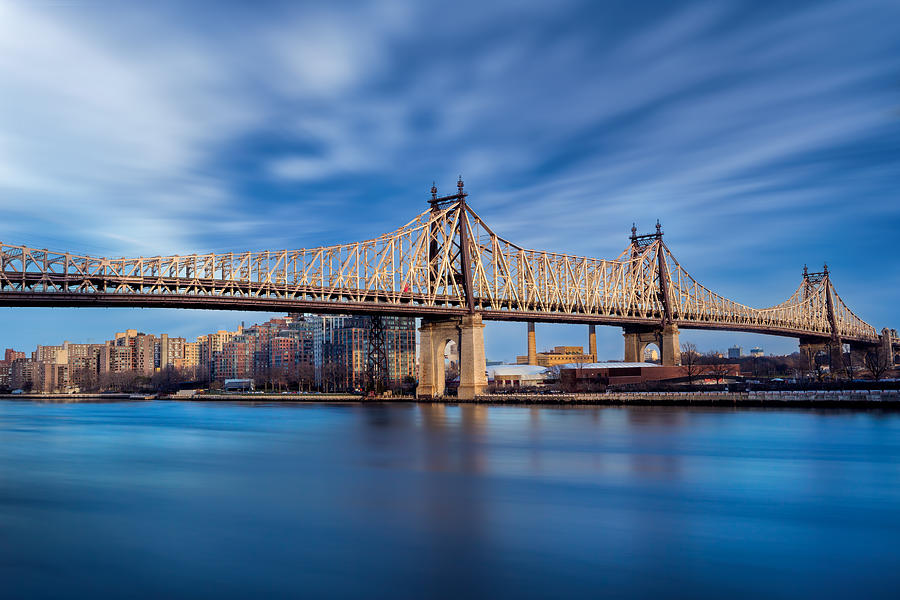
(762, 135)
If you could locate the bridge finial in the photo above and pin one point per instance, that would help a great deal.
(459, 184)
(805, 272)
(433, 191)
(825, 268)
(658, 228)
(633, 231)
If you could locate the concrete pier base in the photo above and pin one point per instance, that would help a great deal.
(812, 347)
(434, 335)
(666, 338)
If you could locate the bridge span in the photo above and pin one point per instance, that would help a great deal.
(450, 268)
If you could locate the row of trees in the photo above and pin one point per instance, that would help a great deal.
(876, 363)
(299, 377)
(696, 365)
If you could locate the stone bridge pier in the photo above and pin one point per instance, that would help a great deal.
(890, 345)
(637, 339)
(812, 347)
(434, 335)
(857, 358)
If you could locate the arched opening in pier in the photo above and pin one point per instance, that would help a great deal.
(651, 353)
(450, 363)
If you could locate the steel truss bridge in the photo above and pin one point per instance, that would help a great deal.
(446, 262)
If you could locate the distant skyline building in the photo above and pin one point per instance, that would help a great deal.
(735, 352)
(651, 354)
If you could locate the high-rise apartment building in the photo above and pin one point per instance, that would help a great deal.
(171, 352)
(5, 368)
(301, 350)
(69, 367)
(346, 350)
(190, 356)
(10, 355)
(21, 374)
(211, 346)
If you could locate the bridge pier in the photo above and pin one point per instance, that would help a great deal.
(532, 344)
(812, 347)
(857, 358)
(887, 345)
(637, 339)
(434, 334)
(809, 349)
(472, 363)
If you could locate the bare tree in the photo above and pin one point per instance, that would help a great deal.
(408, 385)
(332, 375)
(88, 378)
(262, 377)
(719, 370)
(715, 366)
(300, 375)
(690, 362)
(166, 380)
(306, 376)
(850, 367)
(124, 381)
(281, 377)
(877, 363)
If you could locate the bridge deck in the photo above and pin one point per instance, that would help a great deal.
(410, 309)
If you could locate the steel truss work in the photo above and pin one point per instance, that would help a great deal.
(445, 262)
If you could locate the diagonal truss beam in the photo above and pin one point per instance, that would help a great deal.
(446, 260)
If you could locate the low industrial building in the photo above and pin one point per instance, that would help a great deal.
(238, 385)
(624, 373)
(517, 376)
(560, 355)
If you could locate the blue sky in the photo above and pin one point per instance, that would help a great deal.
(763, 136)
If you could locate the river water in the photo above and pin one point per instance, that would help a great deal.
(228, 500)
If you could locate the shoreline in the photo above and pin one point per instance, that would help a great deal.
(879, 399)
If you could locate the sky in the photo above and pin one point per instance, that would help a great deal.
(763, 135)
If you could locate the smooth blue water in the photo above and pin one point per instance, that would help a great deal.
(220, 500)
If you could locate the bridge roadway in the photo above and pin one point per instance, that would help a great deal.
(449, 268)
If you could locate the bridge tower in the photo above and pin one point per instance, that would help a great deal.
(664, 335)
(810, 347)
(377, 356)
(887, 340)
(467, 331)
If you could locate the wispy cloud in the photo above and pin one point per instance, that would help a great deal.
(763, 135)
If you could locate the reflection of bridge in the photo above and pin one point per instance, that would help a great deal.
(450, 268)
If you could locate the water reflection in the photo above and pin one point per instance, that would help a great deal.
(169, 499)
